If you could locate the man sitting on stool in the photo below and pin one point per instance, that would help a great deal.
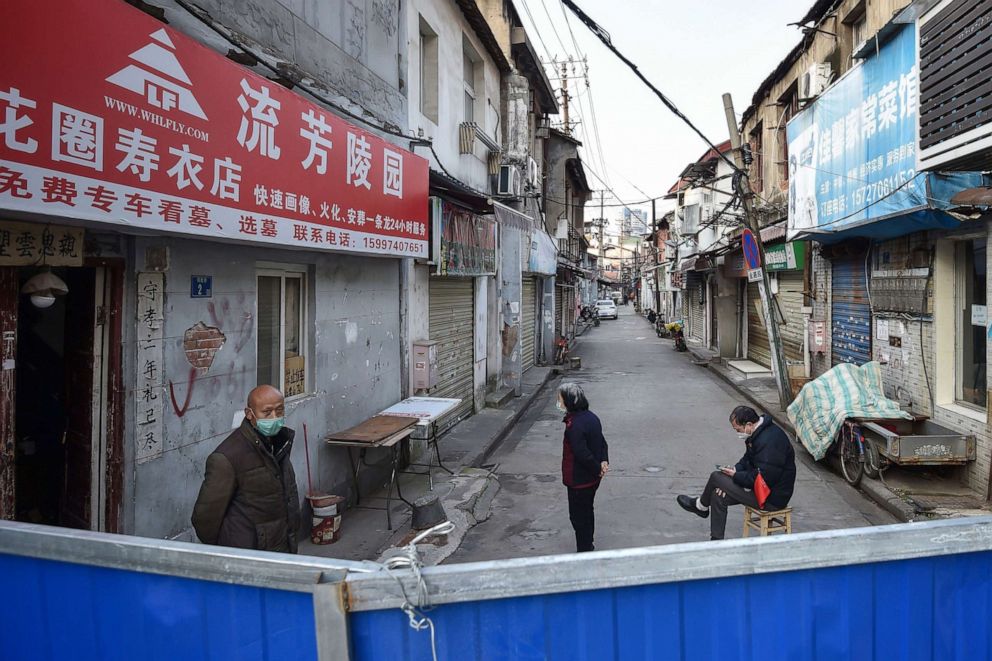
(769, 452)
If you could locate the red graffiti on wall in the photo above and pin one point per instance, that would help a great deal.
(181, 411)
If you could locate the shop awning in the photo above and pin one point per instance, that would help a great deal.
(443, 185)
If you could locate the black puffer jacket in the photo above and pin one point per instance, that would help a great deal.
(770, 451)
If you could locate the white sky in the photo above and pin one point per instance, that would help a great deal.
(692, 51)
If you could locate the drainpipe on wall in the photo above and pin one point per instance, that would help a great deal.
(406, 271)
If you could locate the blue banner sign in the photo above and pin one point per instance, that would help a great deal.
(852, 152)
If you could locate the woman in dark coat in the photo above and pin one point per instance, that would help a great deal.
(585, 460)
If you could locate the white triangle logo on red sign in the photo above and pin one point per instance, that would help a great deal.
(159, 77)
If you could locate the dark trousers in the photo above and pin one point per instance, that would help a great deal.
(733, 495)
(580, 512)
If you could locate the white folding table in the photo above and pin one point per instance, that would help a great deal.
(427, 411)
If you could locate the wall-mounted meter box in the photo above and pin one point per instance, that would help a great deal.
(817, 337)
(424, 364)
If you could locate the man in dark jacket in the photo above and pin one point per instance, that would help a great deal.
(768, 452)
(249, 498)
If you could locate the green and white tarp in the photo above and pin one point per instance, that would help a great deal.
(846, 391)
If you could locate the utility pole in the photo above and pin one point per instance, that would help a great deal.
(602, 222)
(657, 262)
(564, 97)
(743, 186)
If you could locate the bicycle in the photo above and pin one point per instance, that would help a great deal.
(858, 455)
(561, 351)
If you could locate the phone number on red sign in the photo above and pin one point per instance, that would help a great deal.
(390, 244)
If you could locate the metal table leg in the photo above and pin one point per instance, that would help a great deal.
(354, 476)
(437, 451)
(394, 480)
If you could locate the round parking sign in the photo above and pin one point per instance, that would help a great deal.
(750, 247)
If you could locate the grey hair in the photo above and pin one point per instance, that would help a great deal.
(573, 397)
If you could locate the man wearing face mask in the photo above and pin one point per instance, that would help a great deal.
(248, 498)
(768, 452)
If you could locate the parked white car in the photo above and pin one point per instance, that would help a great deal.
(607, 309)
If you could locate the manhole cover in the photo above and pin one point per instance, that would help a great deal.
(652, 469)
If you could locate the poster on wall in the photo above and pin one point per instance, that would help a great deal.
(130, 123)
(468, 243)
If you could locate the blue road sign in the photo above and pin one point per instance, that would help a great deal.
(750, 246)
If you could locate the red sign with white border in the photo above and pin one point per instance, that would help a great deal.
(116, 118)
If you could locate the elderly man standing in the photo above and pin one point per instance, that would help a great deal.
(249, 498)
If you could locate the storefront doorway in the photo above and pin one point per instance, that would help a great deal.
(62, 364)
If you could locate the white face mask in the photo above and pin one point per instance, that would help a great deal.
(560, 406)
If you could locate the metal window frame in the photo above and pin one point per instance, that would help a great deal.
(283, 273)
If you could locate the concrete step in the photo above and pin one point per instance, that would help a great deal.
(704, 356)
(500, 398)
(749, 369)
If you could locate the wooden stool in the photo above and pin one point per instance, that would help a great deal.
(767, 523)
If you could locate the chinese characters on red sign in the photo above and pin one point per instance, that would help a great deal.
(151, 130)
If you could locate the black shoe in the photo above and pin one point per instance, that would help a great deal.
(689, 505)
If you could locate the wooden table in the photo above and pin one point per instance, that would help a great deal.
(381, 431)
(426, 411)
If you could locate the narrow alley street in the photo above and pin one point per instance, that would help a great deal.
(666, 421)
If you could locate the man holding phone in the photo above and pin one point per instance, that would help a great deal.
(768, 453)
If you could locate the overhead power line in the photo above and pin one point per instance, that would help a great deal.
(604, 37)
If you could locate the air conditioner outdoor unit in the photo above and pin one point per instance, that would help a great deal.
(814, 81)
(532, 173)
(508, 182)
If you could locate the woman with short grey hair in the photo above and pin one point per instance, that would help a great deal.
(585, 460)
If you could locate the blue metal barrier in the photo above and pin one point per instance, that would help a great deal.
(70, 594)
(910, 591)
(928, 608)
(57, 610)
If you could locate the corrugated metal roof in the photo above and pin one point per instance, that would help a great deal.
(973, 197)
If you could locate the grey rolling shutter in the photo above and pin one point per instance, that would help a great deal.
(452, 314)
(758, 349)
(528, 322)
(790, 301)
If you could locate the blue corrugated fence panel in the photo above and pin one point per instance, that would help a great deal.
(925, 608)
(57, 610)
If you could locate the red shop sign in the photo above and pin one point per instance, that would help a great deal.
(115, 118)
